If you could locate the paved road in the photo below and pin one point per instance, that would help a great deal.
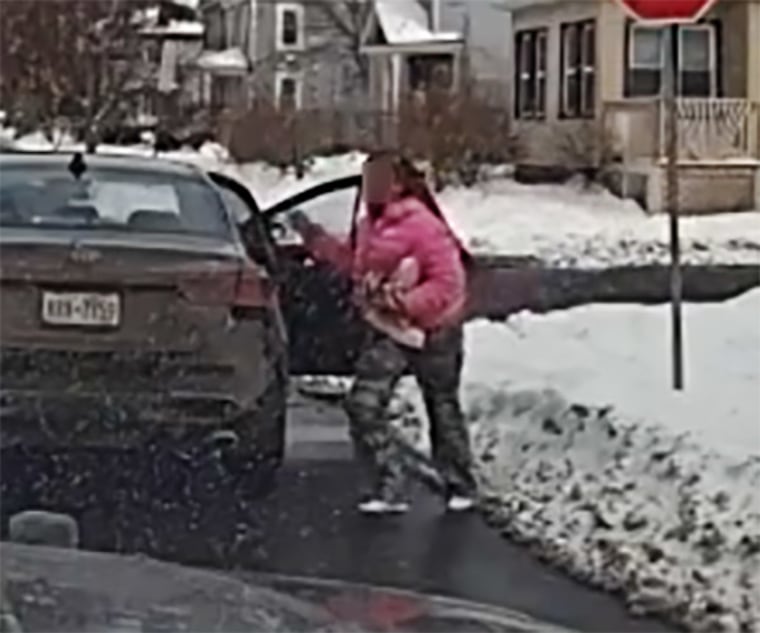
(312, 529)
(309, 528)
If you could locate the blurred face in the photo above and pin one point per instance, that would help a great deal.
(378, 182)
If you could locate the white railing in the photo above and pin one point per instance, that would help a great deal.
(714, 129)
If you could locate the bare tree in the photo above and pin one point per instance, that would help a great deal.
(72, 60)
(349, 17)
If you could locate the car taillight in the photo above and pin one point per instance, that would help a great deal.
(254, 289)
(249, 288)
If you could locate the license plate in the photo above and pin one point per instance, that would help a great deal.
(86, 309)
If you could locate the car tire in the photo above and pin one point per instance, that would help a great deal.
(254, 463)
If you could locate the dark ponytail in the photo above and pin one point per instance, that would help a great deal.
(414, 184)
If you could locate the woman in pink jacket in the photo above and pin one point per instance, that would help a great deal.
(410, 285)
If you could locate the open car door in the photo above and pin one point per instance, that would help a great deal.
(325, 332)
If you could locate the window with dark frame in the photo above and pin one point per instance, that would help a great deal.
(697, 55)
(430, 71)
(578, 69)
(288, 93)
(530, 82)
(289, 27)
(696, 59)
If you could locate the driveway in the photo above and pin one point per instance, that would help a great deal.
(308, 527)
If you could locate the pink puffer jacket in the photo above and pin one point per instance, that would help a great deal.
(407, 228)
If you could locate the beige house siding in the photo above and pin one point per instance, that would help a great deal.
(753, 75)
(753, 56)
(733, 16)
(634, 123)
(545, 140)
(740, 20)
(610, 40)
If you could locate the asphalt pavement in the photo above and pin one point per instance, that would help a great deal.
(309, 527)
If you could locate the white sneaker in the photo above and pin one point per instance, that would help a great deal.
(459, 503)
(381, 506)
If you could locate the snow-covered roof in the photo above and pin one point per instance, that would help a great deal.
(190, 4)
(406, 22)
(178, 28)
(517, 5)
(228, 60)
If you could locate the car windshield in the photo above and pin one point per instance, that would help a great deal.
(136, 200)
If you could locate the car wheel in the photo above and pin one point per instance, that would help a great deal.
(254, 464)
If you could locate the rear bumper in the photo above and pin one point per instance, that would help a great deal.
(124, 420)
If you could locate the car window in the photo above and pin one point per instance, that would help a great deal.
(249, 221)
(332, 210)
(134, 200)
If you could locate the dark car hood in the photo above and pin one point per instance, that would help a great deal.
(45, 589)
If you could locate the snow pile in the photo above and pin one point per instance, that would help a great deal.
(573, 226)
(211, 156)
(586, 455)
(562, 225)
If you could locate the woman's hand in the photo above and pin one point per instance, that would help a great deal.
(388, 298)
(300, 222)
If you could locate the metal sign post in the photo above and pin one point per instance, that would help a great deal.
(668, 14)
(670, 110)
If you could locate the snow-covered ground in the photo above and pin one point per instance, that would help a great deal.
(563, 225)
(586, 453)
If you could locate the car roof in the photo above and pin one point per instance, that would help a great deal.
(103, 161)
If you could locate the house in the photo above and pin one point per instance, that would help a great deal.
(584, 70)
(413, 45)
(172, 39)
(293, 53)
(229, 50)
(337, 54)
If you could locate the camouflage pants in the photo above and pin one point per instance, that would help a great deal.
(437, 369)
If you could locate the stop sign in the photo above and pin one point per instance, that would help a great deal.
(667, 11)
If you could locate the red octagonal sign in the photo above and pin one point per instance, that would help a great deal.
(667, 11)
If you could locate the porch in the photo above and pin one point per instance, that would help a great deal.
(408, 56)
(717, 108)
(709, 129)
(718, 152)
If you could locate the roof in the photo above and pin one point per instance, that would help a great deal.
(518, 5)
(190, 4)
(177, 28)
(102, 161)
(404, 22)
(229, 60)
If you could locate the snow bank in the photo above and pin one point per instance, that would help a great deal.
(586, 455)
(208, 156)
(569, 225)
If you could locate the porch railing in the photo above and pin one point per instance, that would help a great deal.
(714, 129)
